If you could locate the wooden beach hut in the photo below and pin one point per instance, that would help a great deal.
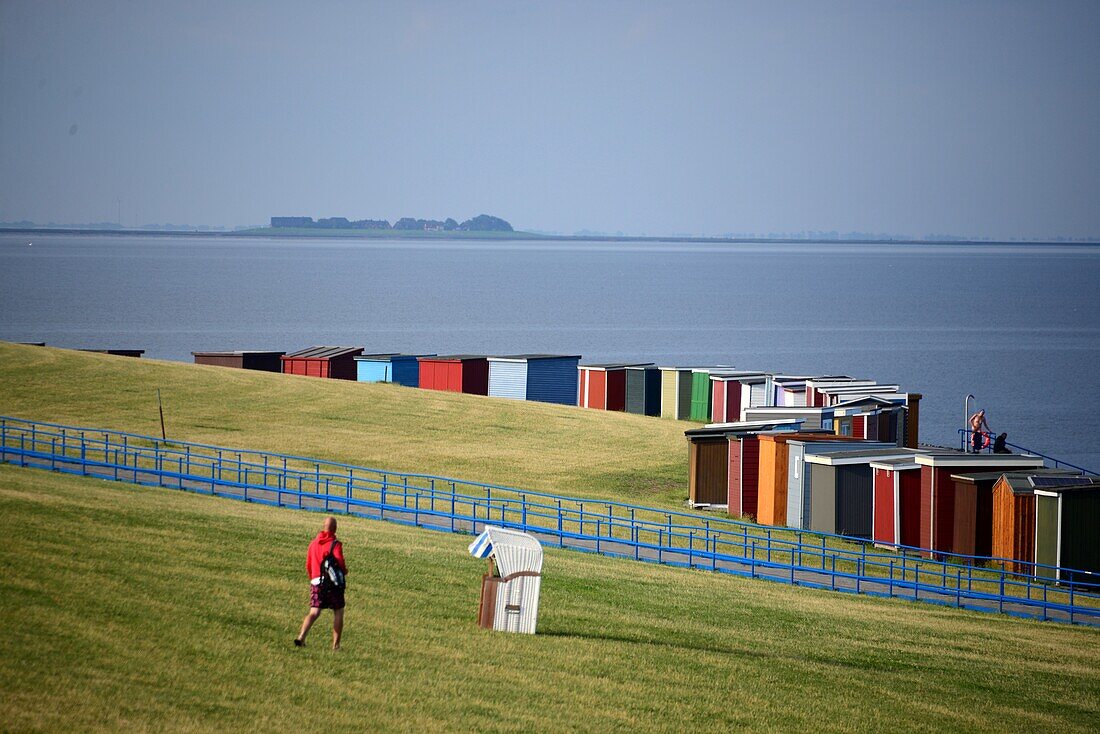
(244, 360)
(331, 362)
(676, 393)
(700, 394)
(710, 458)
(603, 386)
(937, 516)
(771, 506)
(116, 352)
(643, 390)
(465, 373)
(896, 506)
(543, 378)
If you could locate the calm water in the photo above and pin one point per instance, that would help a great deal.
(1016, 326)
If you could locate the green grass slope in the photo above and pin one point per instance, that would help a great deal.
(149, 609)
(554, 448)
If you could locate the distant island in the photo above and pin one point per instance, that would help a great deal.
(480, 223)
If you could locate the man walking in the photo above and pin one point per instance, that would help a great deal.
(324, 595)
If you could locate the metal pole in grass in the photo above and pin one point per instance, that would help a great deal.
(160, 407)
(916, 581)
(1001, 598)
(890, 583)
(958, 587)
(752, 561)
(561, 538)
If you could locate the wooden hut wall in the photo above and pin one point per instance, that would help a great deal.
(771, 502)
(708, 467)
(886, 501)
(1080, 518)
(744, 476)
(1013, 525)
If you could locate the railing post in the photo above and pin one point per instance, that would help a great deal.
(890, 584)
(1001, 598)
(752, 561)
(561, 538)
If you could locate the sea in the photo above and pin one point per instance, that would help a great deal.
(1016, 326)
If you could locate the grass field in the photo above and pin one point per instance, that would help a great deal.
(148, 609)
(563, 449)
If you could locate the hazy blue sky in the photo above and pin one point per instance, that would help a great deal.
(974, 118)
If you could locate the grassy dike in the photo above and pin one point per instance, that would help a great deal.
(564, 449)
(149, 609)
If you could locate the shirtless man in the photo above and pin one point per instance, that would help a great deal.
(977, 421)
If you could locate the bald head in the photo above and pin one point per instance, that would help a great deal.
(330, 525)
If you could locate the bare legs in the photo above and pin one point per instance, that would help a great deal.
(312, 616)
(337, 627)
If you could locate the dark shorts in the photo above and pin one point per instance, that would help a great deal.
(320, 598)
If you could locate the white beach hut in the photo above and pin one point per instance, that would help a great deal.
(510, 590)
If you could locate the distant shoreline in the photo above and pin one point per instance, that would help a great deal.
(414, 235)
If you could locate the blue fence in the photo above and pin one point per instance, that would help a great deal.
(648, 534)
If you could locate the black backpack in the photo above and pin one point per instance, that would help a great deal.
(332, 576)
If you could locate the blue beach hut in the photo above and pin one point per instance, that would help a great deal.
(544, 378)
(402, 369)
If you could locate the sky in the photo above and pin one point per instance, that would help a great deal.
(977, 119)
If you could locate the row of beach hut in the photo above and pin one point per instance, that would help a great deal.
(945, 503)
(857, 408)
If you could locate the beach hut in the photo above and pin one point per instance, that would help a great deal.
(543, 378)
(332, 362)
(401, 369)
(813, 419)
(245, 360)
(1067, 524)
(725, 394)
(973, 516)
(700, 394)
(712, 465)
(643, 390)
(771, 503)
(937, 500)
(841, 487)
(799, 487)
(756, 392)
(815, 398)
(510, 590)
(465, 373)
(676, 393)
(896, 506)
(603, 386)
(1014, 515)
(789, 391)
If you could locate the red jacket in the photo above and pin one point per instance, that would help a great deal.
(318, 549)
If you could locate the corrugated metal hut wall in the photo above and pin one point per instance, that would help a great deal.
(819, 502)
(616, 389)
(700, 396)
(372, 370)
(475, 376)
(1080, 526)
(552, 380)
(635, 391)
(859, 426)
(1013, 525)
(668, 393)
(708, 470)
(508, 379)
(405, 371)
(1046, 534)
(854, 500)
(772, 497)
(884, 530)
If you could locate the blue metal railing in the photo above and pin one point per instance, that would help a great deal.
(966, 436)
(644, 533)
